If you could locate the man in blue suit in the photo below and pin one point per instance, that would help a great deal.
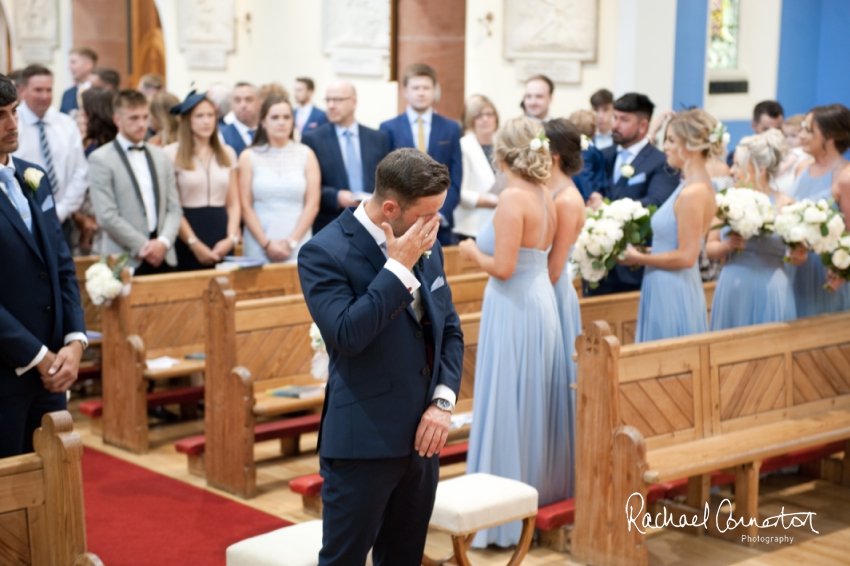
(348, 154)
(81, 62)
(42, 334)
(377, 290)
(422, 128)
(307, 116)
(245, 103)
(636, 169)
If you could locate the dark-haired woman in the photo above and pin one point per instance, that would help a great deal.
(279, 183)
(205, 171)
(825, 136)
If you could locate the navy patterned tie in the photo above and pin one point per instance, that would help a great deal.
(48, 158)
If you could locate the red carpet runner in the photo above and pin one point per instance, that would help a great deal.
(135, 517)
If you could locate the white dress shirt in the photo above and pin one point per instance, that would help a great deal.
(142, 171)
(302, 114)
(243, 132)
(343, 144)
(66, 152)
(413, 117)
(68, 337)
(407, 278)
(626, 156)
(601, 141)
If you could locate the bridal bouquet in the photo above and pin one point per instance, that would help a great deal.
(817, 226)
(605, 235)
(838, 260)
(746, 212)
(104, 284)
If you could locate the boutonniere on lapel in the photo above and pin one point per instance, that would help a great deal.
(627, 171)
(32, 177)
(425, 255)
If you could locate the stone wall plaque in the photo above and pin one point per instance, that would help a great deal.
(551, 29)
(358, 62)
(36, 29)
(356, 34)
(566, 71)
(206, 32)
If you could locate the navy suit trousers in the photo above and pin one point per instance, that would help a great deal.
(20, 415)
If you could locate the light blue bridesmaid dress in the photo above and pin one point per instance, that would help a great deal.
(520, 429)
(808, 279)
(672, 302)
(754, 286)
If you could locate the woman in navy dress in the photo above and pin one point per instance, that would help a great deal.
(672, 300)
(825, 136)
(754, 286)
(520, 429)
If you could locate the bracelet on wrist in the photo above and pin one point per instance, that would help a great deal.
(268, 243)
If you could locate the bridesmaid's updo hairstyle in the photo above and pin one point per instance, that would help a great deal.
(513, 146)
(694, 128)
(765, 151)
(565, 142)
(834, 123)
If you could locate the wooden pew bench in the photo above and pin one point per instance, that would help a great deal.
(683, 408)
(90, 366)
(42, 520)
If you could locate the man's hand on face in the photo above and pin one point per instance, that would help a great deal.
(418, 239)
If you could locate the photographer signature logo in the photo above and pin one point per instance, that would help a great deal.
(643, 521)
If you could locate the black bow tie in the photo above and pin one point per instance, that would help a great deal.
(136, 148)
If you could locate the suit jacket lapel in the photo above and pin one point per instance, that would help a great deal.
(406, 135)
(434, 137)
(129, 168)
(14, 216)
(156, 196)
(39, 224)
(362, 240)
(336, 154)
(641, 157)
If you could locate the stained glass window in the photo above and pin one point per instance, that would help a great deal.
(723, 32)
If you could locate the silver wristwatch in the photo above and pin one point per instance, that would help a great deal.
(443, 405)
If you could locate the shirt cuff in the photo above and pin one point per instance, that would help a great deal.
(35, 361)
(165, 242)
(77, 336)
(445, 392)
(405, 276)
(469, 199)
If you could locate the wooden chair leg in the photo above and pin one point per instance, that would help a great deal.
(290, 446)
(461, 544)
(747, 497)
(845, 468)
(524, 541)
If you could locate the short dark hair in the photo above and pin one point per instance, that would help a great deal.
(601, 97)
(311, 86)
(407, 175)
(128, 98)
(16, 76)
(565, 142)
(419, 70)
(834, 123)
(545, 79)
(35, 70)
(86, 52)
(109, 76)
(635, 103)
(769, 107)
(8, 91)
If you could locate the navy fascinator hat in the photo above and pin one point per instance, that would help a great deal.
(192, 100)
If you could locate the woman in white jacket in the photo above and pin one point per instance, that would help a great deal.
(477, 201)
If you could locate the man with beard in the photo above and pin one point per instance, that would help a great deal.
(635, 169)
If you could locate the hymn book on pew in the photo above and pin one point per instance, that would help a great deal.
(298, 391)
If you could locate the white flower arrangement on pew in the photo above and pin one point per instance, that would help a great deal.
(745, 212)
(104, 284)
(605, 236)
(319, 364)
(816, 226)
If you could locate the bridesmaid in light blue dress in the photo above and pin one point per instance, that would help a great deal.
(754, 286)
(520, 429)
(818, 137)
(672, 300)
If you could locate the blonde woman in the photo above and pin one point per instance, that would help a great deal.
(672, 301)
(521, 427)
(480, 122)
(754, 286)
(164, 124)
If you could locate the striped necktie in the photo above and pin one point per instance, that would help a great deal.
(48, 158)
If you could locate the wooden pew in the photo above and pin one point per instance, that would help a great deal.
(682, 408)
(453, 264)
(163, 315)
(90, 365)
(42, 520)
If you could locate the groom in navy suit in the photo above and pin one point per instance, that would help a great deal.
(42, 335)
(374, 282)
(636, 169)
(422, 128)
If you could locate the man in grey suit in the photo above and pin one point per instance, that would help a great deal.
(134, 192)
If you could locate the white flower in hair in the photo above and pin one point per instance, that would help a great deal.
(719, 133)
(585, 142)
(541, 141)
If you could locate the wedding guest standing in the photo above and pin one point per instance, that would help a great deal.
(592, 178)
(245, 104)
(205, 171)
(672, 300)
(279, 183)
(520, 430)
(825, 136)
(164, 124)
(754, 286)
(791, 127)
(602, 102)
(539, 91)
(422, 128)
(307, 116)
(81, 63)
(480, 122)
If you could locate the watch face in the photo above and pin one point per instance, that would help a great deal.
(443, 404)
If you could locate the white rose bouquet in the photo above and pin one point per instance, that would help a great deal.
(104, 284)
(605, 235)
(817, 226)
(838, 260)
(746, 212)
(319, 364)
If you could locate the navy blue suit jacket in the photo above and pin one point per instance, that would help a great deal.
(69, 100)
(379, 383)
(374, 146)
(317, 118)
(39, 296)
(592, 177)
(233, 139)
(443, 146)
